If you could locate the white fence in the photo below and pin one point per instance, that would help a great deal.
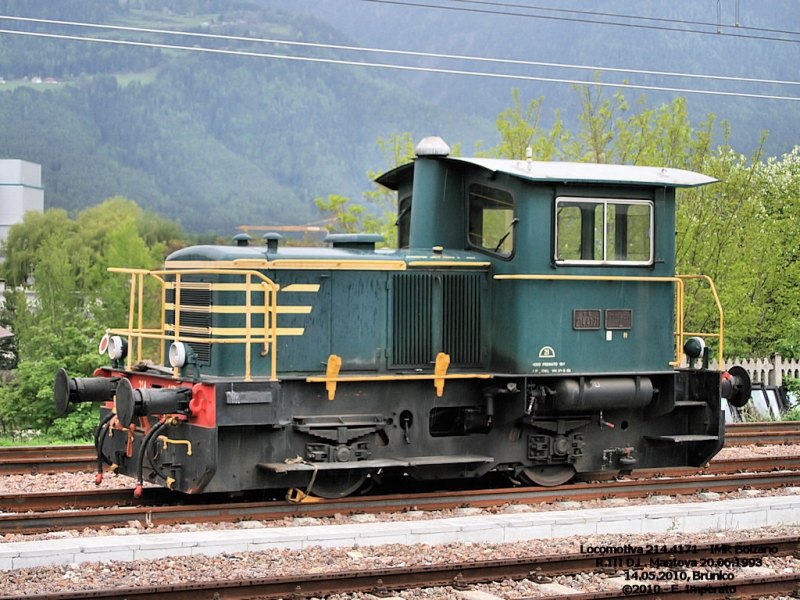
(769, 371)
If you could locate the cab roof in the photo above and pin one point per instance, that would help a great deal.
(566, 172)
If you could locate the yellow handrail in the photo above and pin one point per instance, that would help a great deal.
(267, 335)
(721, 334)
(680, 318)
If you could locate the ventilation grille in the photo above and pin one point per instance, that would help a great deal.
(461, 323)
(436, 312)
(412, 342)
(195, 316)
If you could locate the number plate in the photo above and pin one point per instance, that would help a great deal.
(619, 318)
(586, 318)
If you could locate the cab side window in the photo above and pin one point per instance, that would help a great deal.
(590, 231)
(491, 219)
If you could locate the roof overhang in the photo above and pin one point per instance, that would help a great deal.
(568, 172)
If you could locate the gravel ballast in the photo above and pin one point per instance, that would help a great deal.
(271, 562)
(318, 559)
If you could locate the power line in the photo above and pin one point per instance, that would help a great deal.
(395, 67)
(621, 16)
(577, 20)
(398, 52)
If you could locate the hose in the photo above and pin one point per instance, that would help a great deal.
(100, 433)
(151, 459)
(154, 431)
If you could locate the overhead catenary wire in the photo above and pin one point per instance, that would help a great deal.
(623, 85)
(413, 53)
(737, 25)
(715, 31)
(615, 15)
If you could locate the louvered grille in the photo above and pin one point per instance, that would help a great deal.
(411, 315)
(195, 316)
(436, 312)
(461, 320)
(192, 296)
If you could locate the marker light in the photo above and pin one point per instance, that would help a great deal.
(117, 347)
(694, 346)
(103, 347)
(177, 354)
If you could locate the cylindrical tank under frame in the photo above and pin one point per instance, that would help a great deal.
(607, 393)
(593, 394)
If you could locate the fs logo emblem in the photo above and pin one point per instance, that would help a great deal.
(547, 352)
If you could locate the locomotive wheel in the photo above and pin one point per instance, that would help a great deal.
(332, 484)
(548, 475)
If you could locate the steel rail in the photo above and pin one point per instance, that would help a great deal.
(462, 575)
(81, 457)
(763, 433)
(231, 512)
(769, 438)
(785, 585)
(83, 499)
(104, 497)
(8, 453)
(764, 426)
(18, 460)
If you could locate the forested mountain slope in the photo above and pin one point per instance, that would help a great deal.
(698, 37)
(213, 140)
(225, 139)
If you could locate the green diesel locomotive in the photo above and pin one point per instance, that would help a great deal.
(529, 323)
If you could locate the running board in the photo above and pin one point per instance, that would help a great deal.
(681, 439)
(385, 463)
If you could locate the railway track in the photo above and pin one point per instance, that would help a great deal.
(104, 498)
(63, 510)
(763, 433)
(150, 511)
(539, 569)
(94, 513)
(17, 460)
(74, 458)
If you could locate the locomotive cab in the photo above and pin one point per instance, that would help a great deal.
(529, 323)
(585, 302)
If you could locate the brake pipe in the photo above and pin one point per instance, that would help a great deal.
(140, 455)
(99, 439)
(151, 459)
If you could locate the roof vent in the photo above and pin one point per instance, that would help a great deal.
(272, 238)
(242, 239)
(354, 241)
(432, 146)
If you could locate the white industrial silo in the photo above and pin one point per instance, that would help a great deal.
(20, 191)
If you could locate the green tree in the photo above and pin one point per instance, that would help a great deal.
(397, 149)
(13, 299)
(730, 231)
(720, 233)
(24, 240)
(346, 216)
(53, 331)
(519, 130)
(779, 185)
(64, 263)
(599, 124)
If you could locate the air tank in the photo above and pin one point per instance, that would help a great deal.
(602, 393)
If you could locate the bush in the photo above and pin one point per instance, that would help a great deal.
(76, 426)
